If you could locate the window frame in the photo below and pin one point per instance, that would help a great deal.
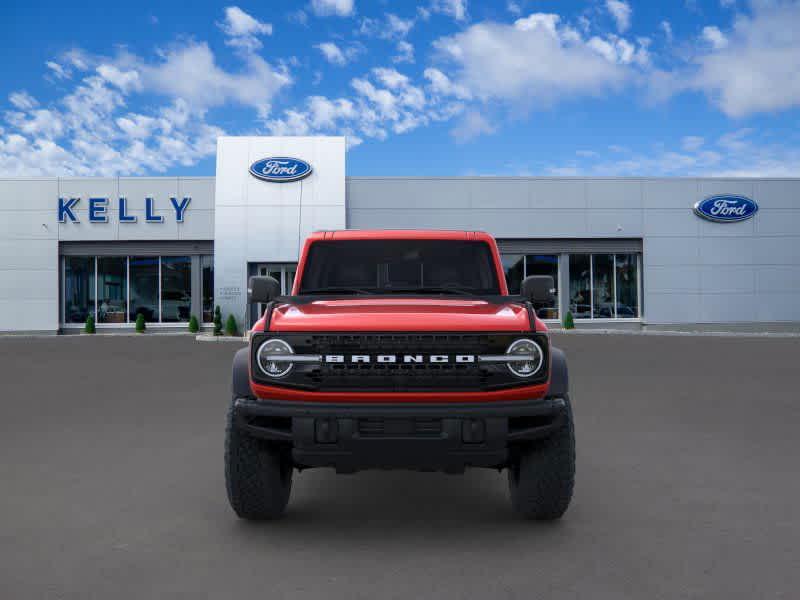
(616, 317)
(127, 324)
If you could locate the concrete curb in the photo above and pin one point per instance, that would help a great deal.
(81, 334)
(221, 338)
(755, 334)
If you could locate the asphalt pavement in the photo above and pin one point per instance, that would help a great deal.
(111, 485)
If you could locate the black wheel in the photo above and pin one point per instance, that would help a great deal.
(257, 477)
(541, 479)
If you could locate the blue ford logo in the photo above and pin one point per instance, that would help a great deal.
(725, 208)
(280, 169)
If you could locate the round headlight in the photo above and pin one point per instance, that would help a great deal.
(271, 358)
(530, 358)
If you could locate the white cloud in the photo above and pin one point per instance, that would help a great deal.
(473, 124)
(536, 60)
(405, 53)
(298, 16)
(22, 100)
(666, 27)
(621, 11)
(339, 8)
(514, 8)
(735, 154)
(453, 8)
(91, 130)
(398, 27)
(391, 27)
(336, 55)
(243, 29)
(715, 37)
(191, 72)
(692, 143)
(441, 84)
(385, 101)
(758, 70)
(57, 70)
(127, 80)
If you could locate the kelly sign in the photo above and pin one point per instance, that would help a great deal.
(98, 210)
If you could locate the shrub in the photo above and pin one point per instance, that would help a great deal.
(230, 326)
(194, 327)
(89, 327)
(140, 324)
(217, 321)
(569, 322)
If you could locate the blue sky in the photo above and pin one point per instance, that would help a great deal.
(436, 87)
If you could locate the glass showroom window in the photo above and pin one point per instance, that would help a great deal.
(544, 264)
(283, 273)
(580, 286)
(176, 289)
(604, 286)
(518, 266)
(112, 289)
(207, 270)
(627, 279)
(514, 266)
(78, 288)
(144, 288)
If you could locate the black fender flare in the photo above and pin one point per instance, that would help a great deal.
(559, 375)
(241, 374)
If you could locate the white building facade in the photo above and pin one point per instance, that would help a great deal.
(632, 251)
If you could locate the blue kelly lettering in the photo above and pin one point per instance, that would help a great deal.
(180, 209)
(97, 210)
(124, 217)
(65, 210)
(149, 214)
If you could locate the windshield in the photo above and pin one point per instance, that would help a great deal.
(399, 266)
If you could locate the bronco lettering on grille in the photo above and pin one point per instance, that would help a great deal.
(402, 358)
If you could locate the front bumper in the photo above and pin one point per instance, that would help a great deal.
(430, 437)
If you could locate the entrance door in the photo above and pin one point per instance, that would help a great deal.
(283, 272)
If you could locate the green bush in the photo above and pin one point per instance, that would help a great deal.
(230, 326)
(569, 322)
(217, 321)
(194, 327)
(140, 324)
(89, 327)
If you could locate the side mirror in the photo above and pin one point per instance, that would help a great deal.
(539, 289)
(262, 289)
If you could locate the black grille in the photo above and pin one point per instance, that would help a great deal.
(399, 376)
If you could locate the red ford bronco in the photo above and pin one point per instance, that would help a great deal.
(400, 349)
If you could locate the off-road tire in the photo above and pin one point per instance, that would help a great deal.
(542, 477)
(258, 477)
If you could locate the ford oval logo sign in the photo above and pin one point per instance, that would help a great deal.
(726, 209)
(280, 169)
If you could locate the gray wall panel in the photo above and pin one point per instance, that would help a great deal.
(564, 193)
(503, 193)
(777, 193)
(685, 257)
(614, 193)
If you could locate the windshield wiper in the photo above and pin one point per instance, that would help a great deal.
(336, 289)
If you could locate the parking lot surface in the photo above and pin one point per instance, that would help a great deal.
(111, 473)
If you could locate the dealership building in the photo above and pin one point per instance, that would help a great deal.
(623, 252)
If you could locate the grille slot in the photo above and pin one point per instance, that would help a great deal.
(379, 427)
